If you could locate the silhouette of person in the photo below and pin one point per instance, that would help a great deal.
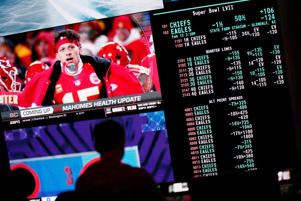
(22, 184)
(110, 174)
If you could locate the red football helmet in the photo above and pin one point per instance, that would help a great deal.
(35, 68)
(8, 76)
(115, 52)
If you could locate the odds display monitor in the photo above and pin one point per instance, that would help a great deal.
(227, 86)
(215, 101)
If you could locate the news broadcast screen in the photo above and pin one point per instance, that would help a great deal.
(107, 59)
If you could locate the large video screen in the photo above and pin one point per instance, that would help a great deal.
(201, 88)
(57, 154)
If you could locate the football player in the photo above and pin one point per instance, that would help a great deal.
(8, 82)
(75, 77)
(119, 55)
(115, 52)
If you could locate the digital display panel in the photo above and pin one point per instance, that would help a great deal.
(223, 99)
(228, 85)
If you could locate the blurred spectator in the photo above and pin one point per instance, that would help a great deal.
(86, 33)
(91, 36)
(43, 49)
(143, 22)
(100, 39)
(24, 49)
(7, 50)
(129, 37)
(123, 31)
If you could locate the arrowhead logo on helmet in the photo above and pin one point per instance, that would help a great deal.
(114, 86)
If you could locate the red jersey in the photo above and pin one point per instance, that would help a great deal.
(85, 87)
(150, 62)
(137, 50)
(117, 81)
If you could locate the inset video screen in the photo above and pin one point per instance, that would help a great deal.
(57, 154)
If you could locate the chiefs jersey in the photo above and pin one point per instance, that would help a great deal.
(86, 86)
(99, 78)
(137, 50)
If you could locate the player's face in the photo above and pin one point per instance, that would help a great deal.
(69, 53)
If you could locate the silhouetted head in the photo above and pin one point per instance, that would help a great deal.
(23, 183)
(109, 136)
